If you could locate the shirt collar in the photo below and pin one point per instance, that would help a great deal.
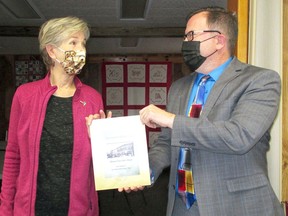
(216, 73)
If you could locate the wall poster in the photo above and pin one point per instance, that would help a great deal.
(127, 87)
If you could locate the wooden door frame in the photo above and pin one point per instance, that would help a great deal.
(285, 104)
(241, 7)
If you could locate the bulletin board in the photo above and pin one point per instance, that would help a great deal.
(29, 71)
(127, 87)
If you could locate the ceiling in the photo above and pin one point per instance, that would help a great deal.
(159, 31)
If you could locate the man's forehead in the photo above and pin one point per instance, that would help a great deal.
(198, 21)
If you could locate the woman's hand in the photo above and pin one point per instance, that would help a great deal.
(129, 189)
(91, 117)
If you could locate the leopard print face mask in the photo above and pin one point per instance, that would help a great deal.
(73, 61)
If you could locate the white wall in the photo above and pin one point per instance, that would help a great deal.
(265, 50)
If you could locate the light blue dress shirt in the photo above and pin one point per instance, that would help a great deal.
(214, 76)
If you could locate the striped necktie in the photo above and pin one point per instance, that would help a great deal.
(185, 178)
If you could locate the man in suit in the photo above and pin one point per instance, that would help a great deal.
(228, 142)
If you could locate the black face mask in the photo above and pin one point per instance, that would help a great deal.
(191, 54)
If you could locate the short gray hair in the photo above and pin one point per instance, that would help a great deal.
(55, 31)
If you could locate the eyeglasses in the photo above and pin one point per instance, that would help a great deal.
(191, 34)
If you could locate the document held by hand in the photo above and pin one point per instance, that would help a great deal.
(119, 152)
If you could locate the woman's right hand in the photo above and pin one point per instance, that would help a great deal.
(100, 115)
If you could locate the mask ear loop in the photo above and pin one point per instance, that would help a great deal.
(209, 39)
(63, 51)
(60, 49)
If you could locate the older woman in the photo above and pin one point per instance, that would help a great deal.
(48, 161)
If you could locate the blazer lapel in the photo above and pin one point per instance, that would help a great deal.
(231, 72)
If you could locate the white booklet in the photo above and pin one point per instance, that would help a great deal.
(119, 152)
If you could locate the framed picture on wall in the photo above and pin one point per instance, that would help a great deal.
(127, 87)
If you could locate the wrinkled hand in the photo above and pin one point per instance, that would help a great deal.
(129, 189)
(91, 117)
(153, 116)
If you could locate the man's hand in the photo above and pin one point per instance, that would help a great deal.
(153, 116)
